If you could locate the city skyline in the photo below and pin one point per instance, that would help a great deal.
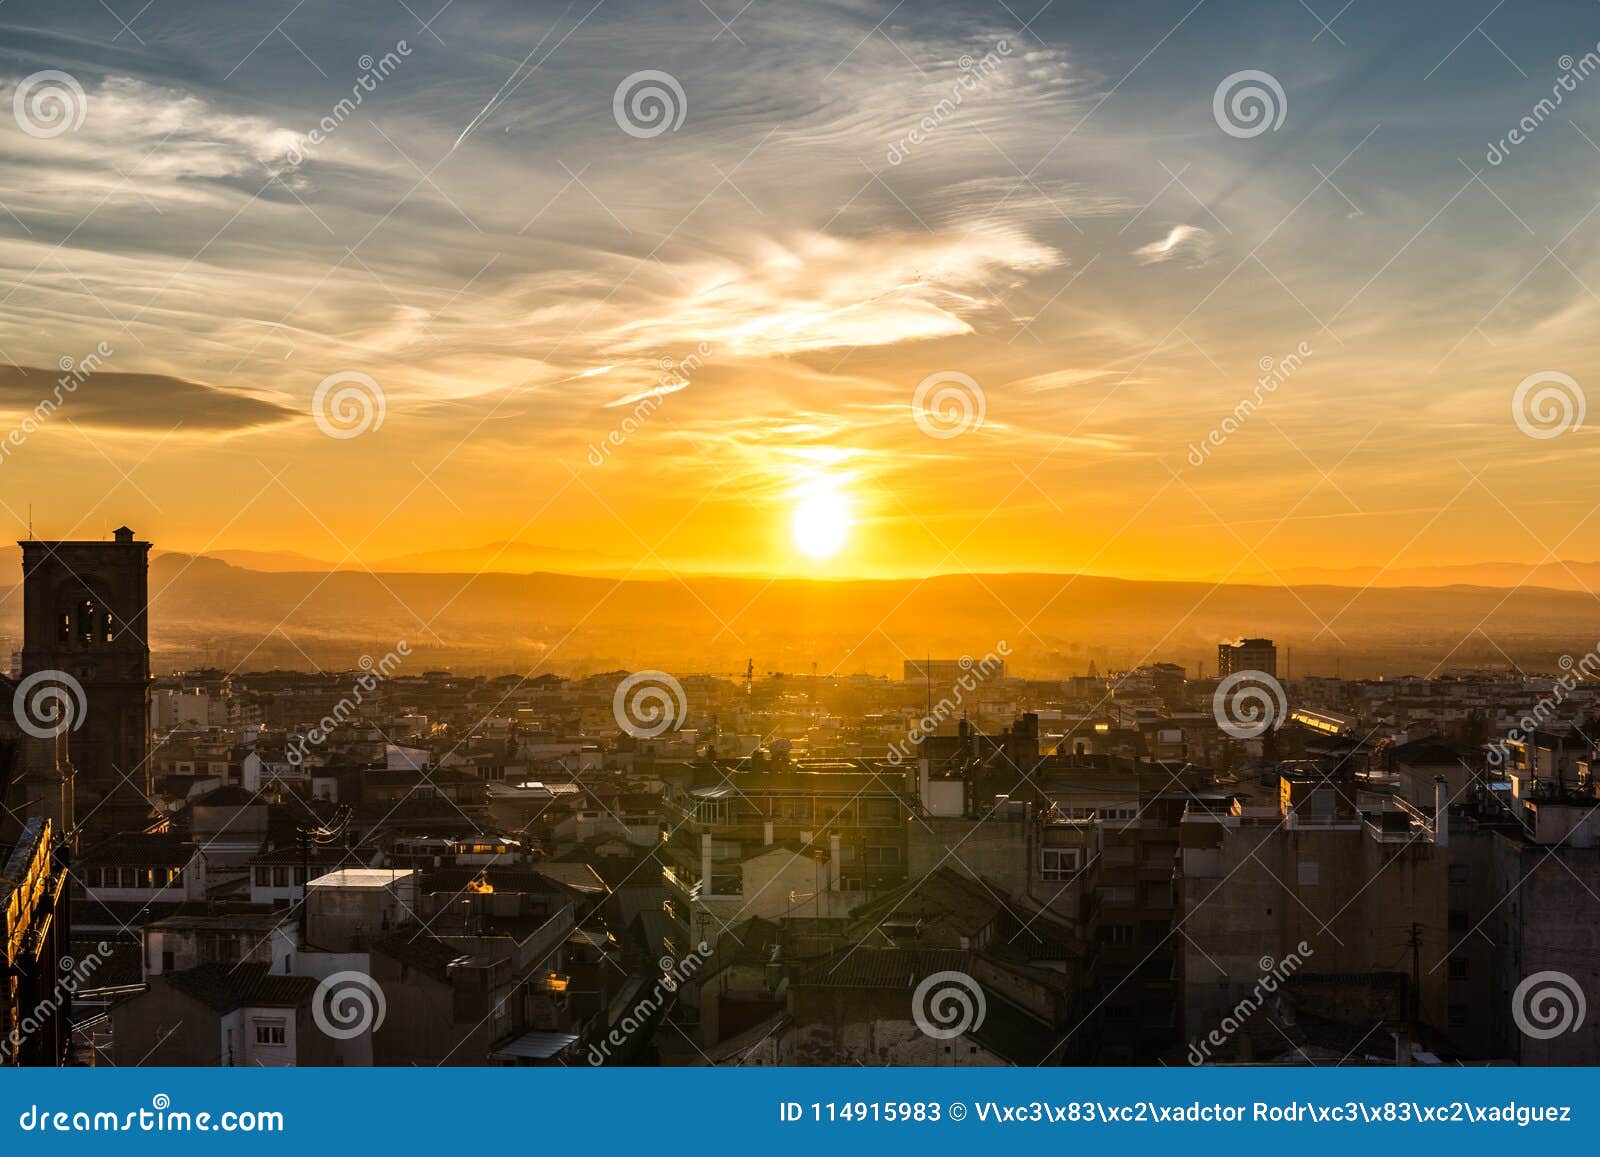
(693, 346)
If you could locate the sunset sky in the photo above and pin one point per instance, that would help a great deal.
(1078, 236)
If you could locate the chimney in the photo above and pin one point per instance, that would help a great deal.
(1441, 811)
(1402, 1047)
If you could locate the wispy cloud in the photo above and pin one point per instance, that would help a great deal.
(1188, 244)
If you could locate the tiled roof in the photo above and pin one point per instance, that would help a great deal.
(224, 988)
(882, 967)
(944, 894)
(420, 950)
(229, 795)
(137, 850)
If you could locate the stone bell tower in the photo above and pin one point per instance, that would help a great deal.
(86, 650)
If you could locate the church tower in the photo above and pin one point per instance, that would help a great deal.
(86, 669)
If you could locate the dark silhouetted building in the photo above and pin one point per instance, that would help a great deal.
(84, 615)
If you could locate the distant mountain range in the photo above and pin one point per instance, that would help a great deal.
(536, 558)
(1560, 576)
(211, 610)
(496, 557)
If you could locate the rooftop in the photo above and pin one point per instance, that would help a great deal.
(224, 988)
(361, 878)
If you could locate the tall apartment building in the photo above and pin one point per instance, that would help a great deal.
(1247, 655)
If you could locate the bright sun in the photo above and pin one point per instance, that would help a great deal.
(821, 522)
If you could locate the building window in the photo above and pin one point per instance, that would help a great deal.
(1058, 863)
(269, 1034)
(880, 857)
(1117, 935)
(1309, 872)
(1458, 968)
(280, 877)
(88, 618)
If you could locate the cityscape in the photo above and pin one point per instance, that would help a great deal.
(645, 535)
(954, 864)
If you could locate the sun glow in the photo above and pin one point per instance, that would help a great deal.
(820, 524)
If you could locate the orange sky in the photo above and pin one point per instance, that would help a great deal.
(512, 277)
